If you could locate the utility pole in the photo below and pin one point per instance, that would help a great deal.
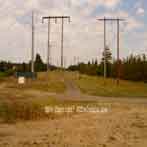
(105, 62)
(62, 36)
(32, 61)
(48, 44)
(48, 50)
(118, 48)
(64, 62)
(49, 18)
(118, 45)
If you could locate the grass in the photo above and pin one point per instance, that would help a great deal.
(95, 86)
(11, 112)
(51, 82)
(2, 74)
(18, 103)
(21, 110)
(54, 82)
(34, 109)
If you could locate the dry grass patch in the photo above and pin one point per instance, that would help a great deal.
(51, 82)
(95, 86)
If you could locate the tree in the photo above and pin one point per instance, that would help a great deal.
(39, 65)
(108, 57)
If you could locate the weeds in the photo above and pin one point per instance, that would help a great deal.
(13, 111)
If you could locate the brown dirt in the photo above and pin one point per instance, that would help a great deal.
(125, 125)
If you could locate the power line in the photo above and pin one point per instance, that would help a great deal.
(118, 45)
(55, 18)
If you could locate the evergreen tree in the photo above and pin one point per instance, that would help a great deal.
(108, 57)
(39, 65)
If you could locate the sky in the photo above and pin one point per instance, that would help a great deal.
(83, 36)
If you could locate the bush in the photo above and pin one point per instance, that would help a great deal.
(13, 111)
(7, 73)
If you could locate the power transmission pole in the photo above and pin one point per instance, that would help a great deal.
(118, 45)
(62, 33)
(105, 62)
(48, 44)
(48, 51)
(32, 61)
(62, 30)
(62, 39)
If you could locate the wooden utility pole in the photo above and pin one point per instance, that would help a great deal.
(118, 58)
(118, 45)
(32, 60)
(62, 36)
(49, 18)
(48, 51)
(105, 62)
(48, 44)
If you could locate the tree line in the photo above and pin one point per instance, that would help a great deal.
(133, 68)
(9, 68)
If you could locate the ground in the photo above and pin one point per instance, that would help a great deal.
(124, 124)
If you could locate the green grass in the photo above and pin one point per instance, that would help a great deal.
(2, 75)
(6, 74)
(51, 82)
(95, 86)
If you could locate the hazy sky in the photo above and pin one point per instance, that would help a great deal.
(83, 36)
